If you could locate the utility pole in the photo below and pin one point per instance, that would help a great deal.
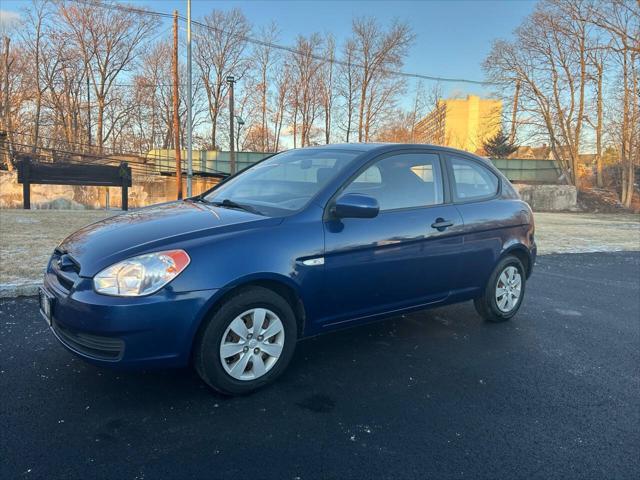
(189, 118)
(514, 114)
(232, 153)
(176, 118)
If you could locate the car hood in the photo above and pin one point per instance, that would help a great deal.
(106, 242)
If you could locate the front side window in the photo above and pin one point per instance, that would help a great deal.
(283, 183)
(472, 181)
(402, 181)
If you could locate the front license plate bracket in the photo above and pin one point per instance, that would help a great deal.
(46, 304)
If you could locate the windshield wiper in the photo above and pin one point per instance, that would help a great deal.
(228, 203)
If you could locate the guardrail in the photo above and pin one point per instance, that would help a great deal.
(205, 162)
(218, 164)
(524, 170)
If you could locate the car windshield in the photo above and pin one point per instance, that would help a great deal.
(282, 184)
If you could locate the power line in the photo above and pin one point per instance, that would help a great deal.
(276, 46)
(131, 85)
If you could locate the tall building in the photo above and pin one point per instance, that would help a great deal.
(464, 123)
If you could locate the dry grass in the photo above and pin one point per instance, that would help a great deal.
(27, 238)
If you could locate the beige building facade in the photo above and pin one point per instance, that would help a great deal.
(464, 123)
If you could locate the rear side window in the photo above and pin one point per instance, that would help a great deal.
(472, 181)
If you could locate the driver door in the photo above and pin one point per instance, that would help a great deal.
(397, 259)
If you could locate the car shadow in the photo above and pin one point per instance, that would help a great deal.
(321, 363)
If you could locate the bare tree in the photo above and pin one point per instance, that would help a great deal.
(264, 59)
(33, 37)
(347, 87)
(220, 52)
(327, 87)
(15, 88)
(396, 127)
(109, 45)
(377, 52)
(576, 65)
(283, 80)
(305, 77)
(620, 20)
(419, 108)
(7, 64)
(154, 96)
(439, 108)
(597, 57)
(64, 75)
(549, 61)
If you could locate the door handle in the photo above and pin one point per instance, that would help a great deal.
(441, 224)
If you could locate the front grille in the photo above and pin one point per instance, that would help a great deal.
(65, 268)
(94, 346)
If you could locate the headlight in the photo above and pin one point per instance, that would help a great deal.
(141, 275)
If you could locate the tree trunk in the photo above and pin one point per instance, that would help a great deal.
(514, 114)
(295, 127)
(265, 137)
(176, 103)
(630, 127)
(100, 124)
(363, 98)
(599, 169)
(7, 106)
(36, 120)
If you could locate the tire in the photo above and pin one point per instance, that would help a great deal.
(488, 306)
(252, 367)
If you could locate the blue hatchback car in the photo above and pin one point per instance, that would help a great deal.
(301, 243)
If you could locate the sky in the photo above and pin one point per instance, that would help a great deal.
(452, 37)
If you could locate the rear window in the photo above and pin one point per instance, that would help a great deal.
(472, 181)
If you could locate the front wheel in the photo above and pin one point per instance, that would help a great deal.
(504, 291)
(247, 343)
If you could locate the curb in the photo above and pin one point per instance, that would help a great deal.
(24, 289)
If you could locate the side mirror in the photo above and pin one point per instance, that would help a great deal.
(355, 205)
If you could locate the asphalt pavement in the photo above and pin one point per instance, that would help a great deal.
(555, 393)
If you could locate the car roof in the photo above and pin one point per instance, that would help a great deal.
(369, 147)
(388, 147)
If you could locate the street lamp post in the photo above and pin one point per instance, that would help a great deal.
(240, 123)
(232, 153)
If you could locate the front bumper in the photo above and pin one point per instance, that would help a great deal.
(152, 331)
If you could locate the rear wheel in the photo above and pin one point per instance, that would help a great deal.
(247, 343)
(504, 291)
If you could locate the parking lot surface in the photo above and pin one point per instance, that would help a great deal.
(555, 393)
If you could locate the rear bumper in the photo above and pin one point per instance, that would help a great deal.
(152, 331)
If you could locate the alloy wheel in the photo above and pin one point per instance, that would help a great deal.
(508, 289)
(252, 344)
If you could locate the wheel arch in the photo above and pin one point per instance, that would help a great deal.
(522, 253)
(280, 285)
